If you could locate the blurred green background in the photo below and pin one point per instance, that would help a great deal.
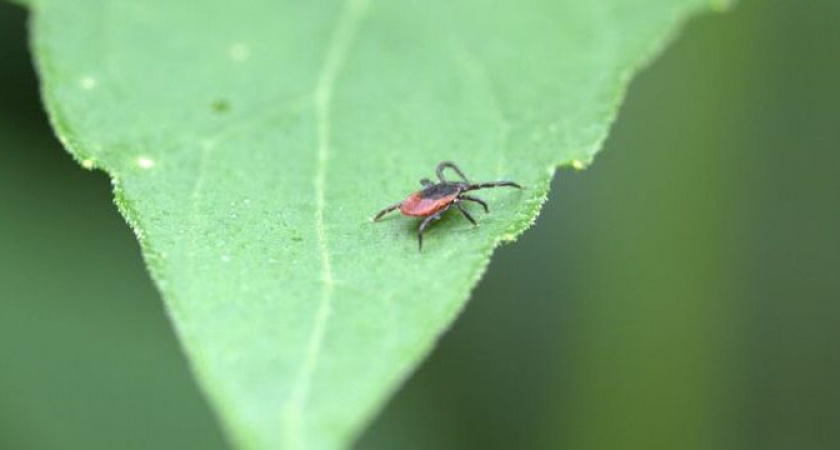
(682, 293)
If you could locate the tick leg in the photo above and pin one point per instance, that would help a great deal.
(426, 182)
(426, 222)
(491, 184)
(465, 213)
(387, 210)
(451, 165)
(477, 200)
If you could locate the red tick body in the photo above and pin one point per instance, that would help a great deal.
(429, 201)
(436, 198)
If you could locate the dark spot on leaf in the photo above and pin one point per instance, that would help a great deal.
(220, 106)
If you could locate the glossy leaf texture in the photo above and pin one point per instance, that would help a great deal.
(251, 142)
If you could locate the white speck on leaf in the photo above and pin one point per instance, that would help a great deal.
(145, 162)
(87, 82)
(225, 258)
(239, 52)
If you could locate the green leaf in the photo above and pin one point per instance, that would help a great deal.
(250, 143)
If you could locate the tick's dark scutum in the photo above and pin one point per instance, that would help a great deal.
(440, 190)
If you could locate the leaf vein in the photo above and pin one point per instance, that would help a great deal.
(343, 36)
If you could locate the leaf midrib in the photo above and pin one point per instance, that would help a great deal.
(344, 33)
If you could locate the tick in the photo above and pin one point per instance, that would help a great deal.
(437, 198)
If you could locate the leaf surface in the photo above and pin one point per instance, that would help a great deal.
(251, 142)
